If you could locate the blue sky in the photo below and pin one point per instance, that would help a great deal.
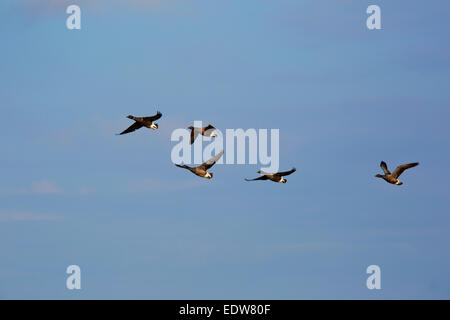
(343, 97)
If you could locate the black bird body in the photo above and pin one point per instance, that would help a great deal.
(207, 131)
(140, 122)
(275, 177)
(393, 177)
(201, 170)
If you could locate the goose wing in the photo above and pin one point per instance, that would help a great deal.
(182, 166)
(133, 127)
(402, 168)
(194, 134)
(259, 178)
(383, 166)
(208, 164)
(153, 118)
(286, 173)
(208, 129)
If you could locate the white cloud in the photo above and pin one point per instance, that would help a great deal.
(163, 185)
(46, 187)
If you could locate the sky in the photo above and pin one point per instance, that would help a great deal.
(343, 97)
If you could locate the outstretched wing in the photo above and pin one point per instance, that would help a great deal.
(259, 178)
(402, 168)
(286, 173)
(208, 164)
(383, 166)
(194, 134)
(182, 166)
(209, 129)
(153, 118)
(133, 127)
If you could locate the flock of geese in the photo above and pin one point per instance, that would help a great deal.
(208, 131)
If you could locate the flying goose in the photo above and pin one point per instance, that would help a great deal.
(393, 177)
(207, 131)
(140, 122)
(201, 169)
(275, 177)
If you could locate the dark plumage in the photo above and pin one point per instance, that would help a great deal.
(201, 169)
(393, 177)
(207, 131)
(140, 122)
(275, 177)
